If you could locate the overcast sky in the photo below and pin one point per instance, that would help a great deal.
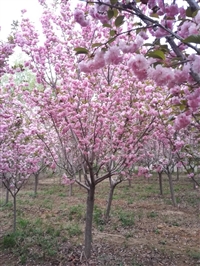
(11, 10)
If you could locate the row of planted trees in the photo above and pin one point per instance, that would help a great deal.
(100, 117)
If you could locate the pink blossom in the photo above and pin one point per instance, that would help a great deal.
(99, 60)
(92, 65)
(162, 32)
(196, 64)
(182, 12)
(194, 100)
(171, 10)
(161, 75)
(179, 144)
(191, 175)
(84, 67)
(182, 121)
(185, 29)
(79, 17)
(113, 56)
(66, 180)
(139, 64)
(144, 35)
(152, 4)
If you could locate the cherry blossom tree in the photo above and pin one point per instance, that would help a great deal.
(20, 150)
(161, 38)
(101, 111)
(99, 120)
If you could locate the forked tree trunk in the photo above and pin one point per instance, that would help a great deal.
(110, 197)
(172, 189)
(160, 183)
(88, 222)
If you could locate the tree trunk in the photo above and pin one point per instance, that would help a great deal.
(160, 183)
(177, 174)
(129, 182)
(172, 189)
(14, 213)
(79, 175)
(7, 195)
(36, 184)
(70, 190)
(88, 222)
(111, 191)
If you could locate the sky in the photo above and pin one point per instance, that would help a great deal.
(11, 10)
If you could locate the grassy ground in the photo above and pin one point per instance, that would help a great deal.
(144, 228)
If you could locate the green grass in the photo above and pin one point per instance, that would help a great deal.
(30, 236)
(76, 212)
(73, 230)
(98, 216)
(152, 214)
(194, 254)
(126, 218)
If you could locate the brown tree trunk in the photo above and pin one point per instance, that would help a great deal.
(177, 174)
(14, 213)
(110, 197)
(70, 190)
(88, 223)
(160, 183)
(79, 175)
(36, 184)
(171, 189)
(7, 195)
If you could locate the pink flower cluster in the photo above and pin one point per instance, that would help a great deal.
(6, 49)
(139, 65)
(79, 17)
(182, 121)
(92, 65)
(67, 181)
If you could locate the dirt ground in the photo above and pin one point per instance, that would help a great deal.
(159, 235)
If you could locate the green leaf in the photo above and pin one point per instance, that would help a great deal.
(81, 50)
(138, 31)
(111, 40)
(107, 25)
(110, 13)
(194, 13)
(147, 44)
(190, 13)
(164, 47)
(119, 21)
(192, 38)
(157, 54)
(113, 2)
(112, 32)
(182, 107)
(115, 12)
(97, 44)
(154, 15)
